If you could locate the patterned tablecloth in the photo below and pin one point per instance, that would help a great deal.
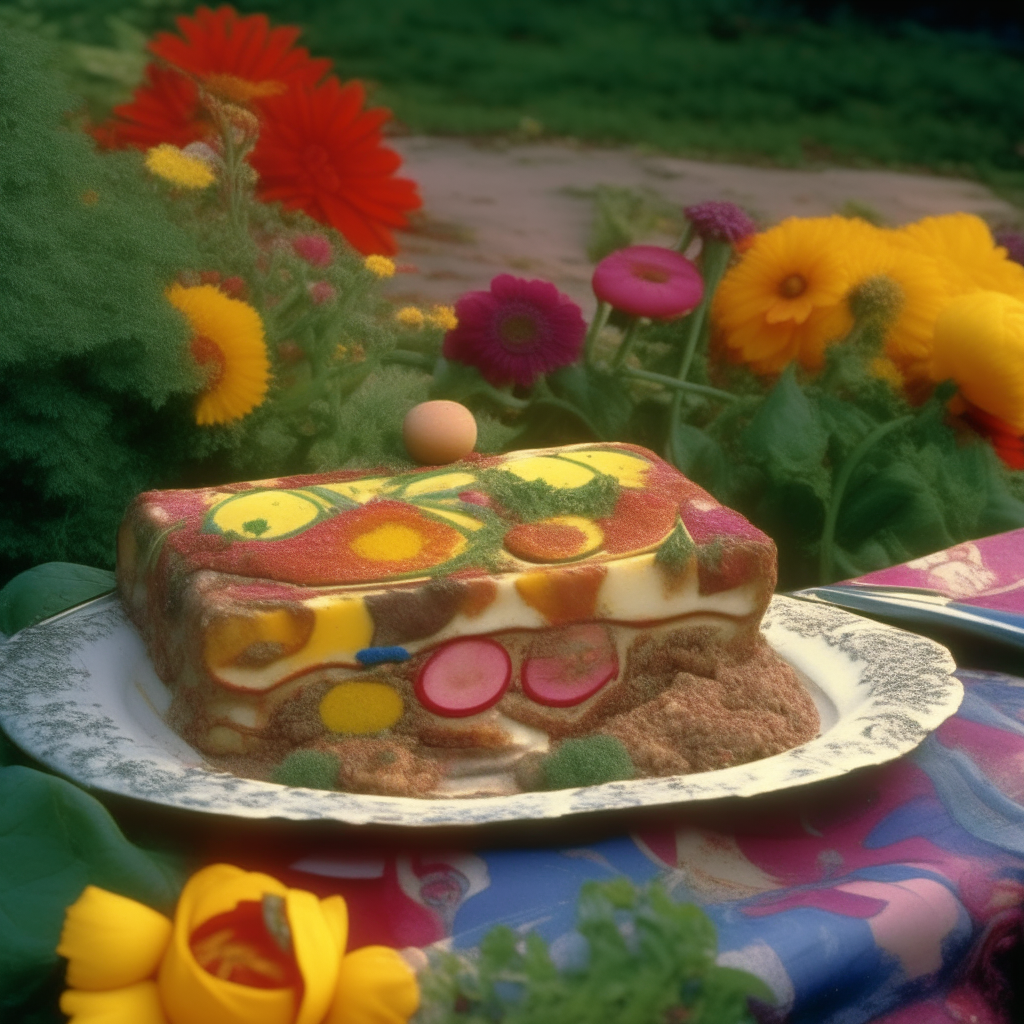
(893, 895)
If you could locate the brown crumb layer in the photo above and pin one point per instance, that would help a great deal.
(718, 711)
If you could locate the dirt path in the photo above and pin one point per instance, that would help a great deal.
(524, 209)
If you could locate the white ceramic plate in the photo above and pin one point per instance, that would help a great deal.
(78, 693)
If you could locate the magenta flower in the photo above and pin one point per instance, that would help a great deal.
(647, 280)
(720, 222)
(516, 331)
(314, 249)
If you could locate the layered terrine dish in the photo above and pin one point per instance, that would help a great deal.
(497, 625)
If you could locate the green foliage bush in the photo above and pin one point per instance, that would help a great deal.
(92, 358)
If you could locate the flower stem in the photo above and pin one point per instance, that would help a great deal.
(678, 385)
(403, 357)
(715, 259)
(686, 238)
(839, 490)
(627, 343)
(600, 319)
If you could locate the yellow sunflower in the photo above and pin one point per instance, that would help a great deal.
(784, 300)
(924, 290)
(228, 342)
(967, 254)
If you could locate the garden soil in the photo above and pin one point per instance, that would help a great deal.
(527, 208)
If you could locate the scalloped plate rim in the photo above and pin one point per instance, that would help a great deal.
(891, 704)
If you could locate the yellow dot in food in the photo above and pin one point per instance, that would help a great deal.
(551, 471)
(390, 542)
(266, 515)
(359, 708)
(629, 470)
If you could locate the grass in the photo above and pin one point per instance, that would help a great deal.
(733, 79)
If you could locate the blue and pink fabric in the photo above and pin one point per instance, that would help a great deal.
(894, 895)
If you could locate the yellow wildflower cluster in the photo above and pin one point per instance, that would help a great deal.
(179, 168)
(788, 297)
(241, 949)
(442, 317)
(380, 266)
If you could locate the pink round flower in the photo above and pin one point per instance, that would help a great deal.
(516, 331)
(647, 280)
(314, 249)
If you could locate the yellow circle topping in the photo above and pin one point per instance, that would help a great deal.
(360, 708)
(629, 470)
(555, 472)
(389, 542)
(266, 515)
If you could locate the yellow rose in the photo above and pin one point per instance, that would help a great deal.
(979, 343)
(242, 949)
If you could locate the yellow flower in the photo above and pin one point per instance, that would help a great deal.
(243, 949)
(111, 941)
(908, 339)
(171, 164)
(228, 341)
(784, 299)
(410, 316)
(979, 343)
(380, 265)
(375, 986)
(443, 317)
(967, 254)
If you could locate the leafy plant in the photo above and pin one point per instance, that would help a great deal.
(648, 960)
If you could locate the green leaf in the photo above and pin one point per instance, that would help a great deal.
(601, 398)
(457, 381)
(54, 840)
(787, 435)
(48, 589)
(700, 457)
(731, 979)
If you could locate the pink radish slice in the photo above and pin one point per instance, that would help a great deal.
(464, 677)
(589, 660)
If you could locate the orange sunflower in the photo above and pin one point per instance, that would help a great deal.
(320, 152)
(967, 253)
(784, 300)
(240, 59)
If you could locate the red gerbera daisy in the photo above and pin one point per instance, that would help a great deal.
(239, 59)
(320, 152)
(165, 108)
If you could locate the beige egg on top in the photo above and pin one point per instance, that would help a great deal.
(436, 433)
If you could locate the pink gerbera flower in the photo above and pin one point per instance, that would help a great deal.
(648, 280)
(516, 331)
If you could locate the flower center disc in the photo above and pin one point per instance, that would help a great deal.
(649, 272)
(518, 331)
(793, 286)
(207, 354)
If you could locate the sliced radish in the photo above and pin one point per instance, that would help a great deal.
(587, 659)
(464, 677)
